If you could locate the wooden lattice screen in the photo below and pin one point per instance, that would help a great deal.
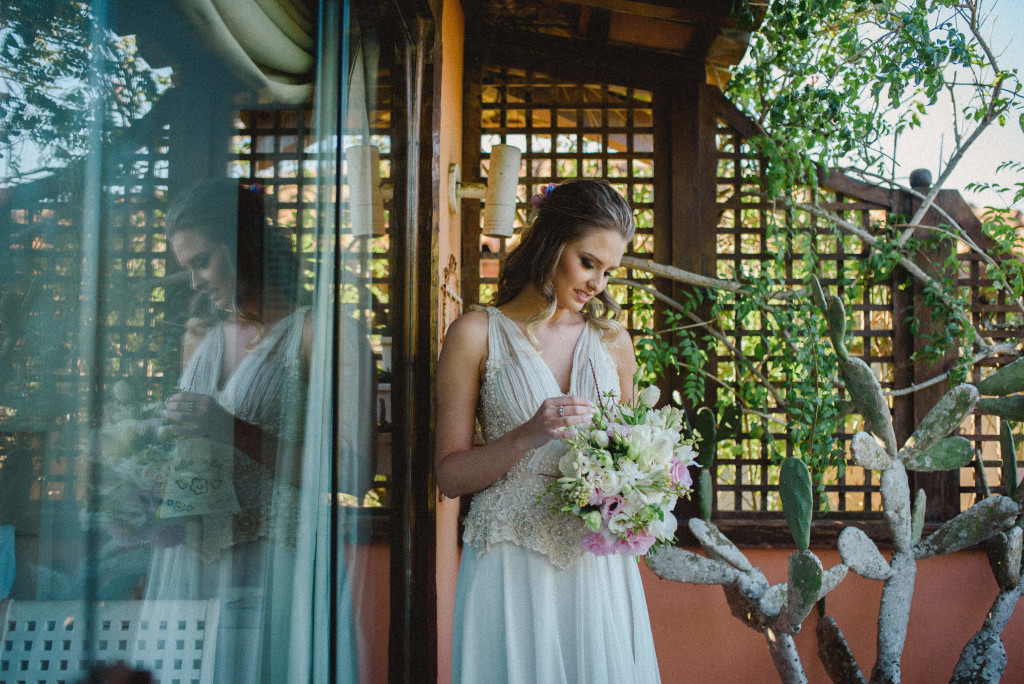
(747, 477)
(571, 128)
(567, 129)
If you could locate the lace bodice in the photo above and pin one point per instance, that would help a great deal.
(516, 382)
(264, 390)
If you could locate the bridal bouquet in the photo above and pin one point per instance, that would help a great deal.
(623, 473)
(145, 478)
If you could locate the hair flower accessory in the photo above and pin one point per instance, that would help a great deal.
(538, 199)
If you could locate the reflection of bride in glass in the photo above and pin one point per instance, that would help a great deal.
(245, 359)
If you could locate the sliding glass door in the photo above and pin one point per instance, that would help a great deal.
(195, 319)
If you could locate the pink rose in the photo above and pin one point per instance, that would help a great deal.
(595, 543)
(611, 506)
(636, 543)
(680, 473)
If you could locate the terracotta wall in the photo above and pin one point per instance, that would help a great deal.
(449, 130)
(698, 639)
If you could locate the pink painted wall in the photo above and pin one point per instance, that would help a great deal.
(698, 639)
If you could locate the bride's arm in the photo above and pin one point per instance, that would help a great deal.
(459, 467)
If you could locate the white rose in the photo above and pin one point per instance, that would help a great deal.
(600, 438)
(611, 482)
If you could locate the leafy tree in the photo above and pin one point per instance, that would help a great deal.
(60, 72)
(833, 84)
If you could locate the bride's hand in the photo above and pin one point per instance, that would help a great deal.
(556, 418)
(199, 415)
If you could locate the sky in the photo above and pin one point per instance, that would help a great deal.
(924, 147)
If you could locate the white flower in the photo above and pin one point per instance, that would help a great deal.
(599, 437)
(649, 396)
(610, 483)
(664, 529)
(686, 454)
(648, 445)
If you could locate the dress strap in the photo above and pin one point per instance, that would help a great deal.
(499, 341)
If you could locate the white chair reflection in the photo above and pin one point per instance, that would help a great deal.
(45, 641)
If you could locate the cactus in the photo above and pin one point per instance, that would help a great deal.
(1007, 380)
(835, 654)
(951, 453)
(917, 517)
(778, 610)
(805, 578)
(868, 453)
(818, 295)
(797, 500)
(867, 397)
(861, 555)
(973, 526)
(1008, 453)
(774, 610)
(1007, 408)
(983, 659)
(836, 314)
(705, 493)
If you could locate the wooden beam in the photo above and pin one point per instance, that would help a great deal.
(571, 58)
(714, 12)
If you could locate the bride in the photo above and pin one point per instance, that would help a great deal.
(531, 605)
(245, 358)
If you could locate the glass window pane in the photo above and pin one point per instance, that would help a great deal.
(174, 476)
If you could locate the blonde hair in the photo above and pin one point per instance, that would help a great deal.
(569, 211)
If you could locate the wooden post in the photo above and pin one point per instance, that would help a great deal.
(940, 487)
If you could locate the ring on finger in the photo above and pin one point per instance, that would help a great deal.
(191, 406)
(561, 411)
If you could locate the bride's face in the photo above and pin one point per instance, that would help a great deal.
(209, 266)
(586, 264)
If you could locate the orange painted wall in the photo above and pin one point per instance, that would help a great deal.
(369, 572)
(698, 639)
(449, 239)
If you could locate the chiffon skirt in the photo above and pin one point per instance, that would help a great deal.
(521, 620)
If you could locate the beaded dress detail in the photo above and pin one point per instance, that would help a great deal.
(516, 382)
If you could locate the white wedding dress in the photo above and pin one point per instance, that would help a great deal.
(531, 605)
(245, 560)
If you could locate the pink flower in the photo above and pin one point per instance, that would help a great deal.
(595, 498)
(680, 473)
(620, 428)
(611, 506)
(595, 543)
(636, 543)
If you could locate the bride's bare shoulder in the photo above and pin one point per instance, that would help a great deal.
(468, 331)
